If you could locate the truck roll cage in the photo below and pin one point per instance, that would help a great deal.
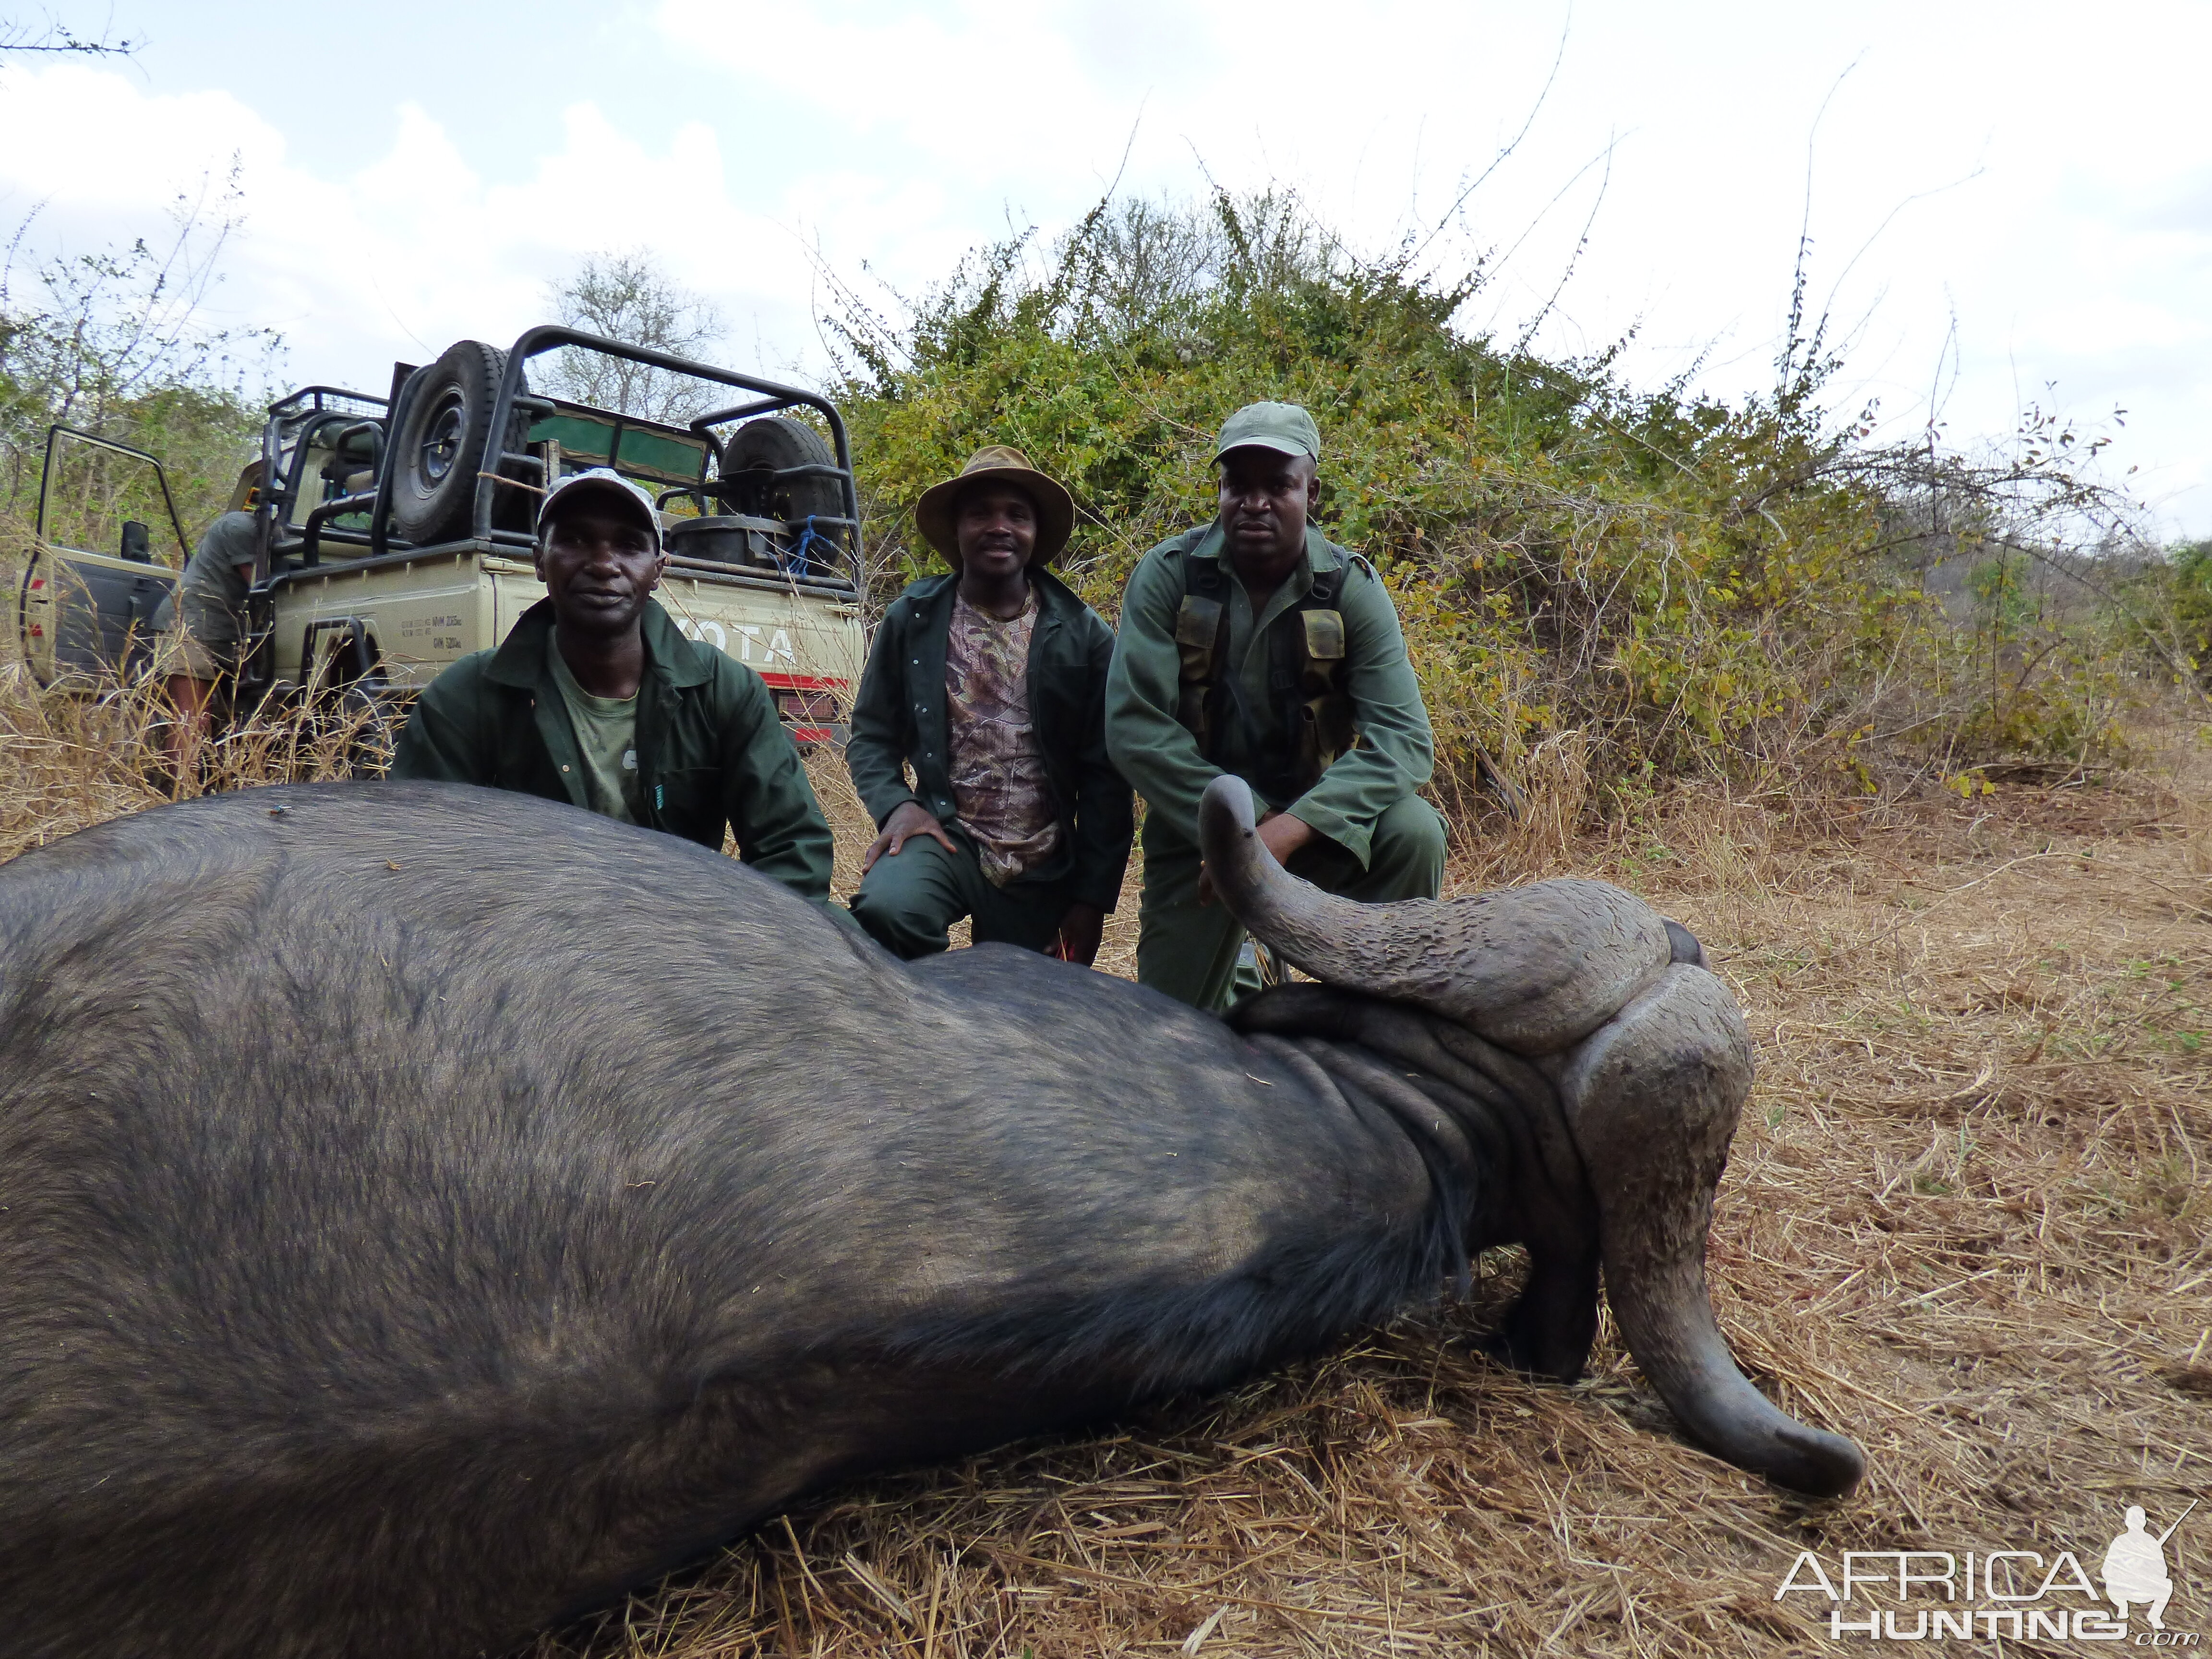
(293, 425)
(511, 467)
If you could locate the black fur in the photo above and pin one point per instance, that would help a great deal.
(424, 1211)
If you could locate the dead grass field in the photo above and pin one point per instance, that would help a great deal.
(1968, 1221)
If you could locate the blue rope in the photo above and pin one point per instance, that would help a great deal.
(795, 565)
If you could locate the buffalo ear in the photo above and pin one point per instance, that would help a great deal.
(1688, 951)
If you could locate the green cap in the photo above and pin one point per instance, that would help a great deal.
(1271, 426)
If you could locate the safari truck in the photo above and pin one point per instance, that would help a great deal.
(394, 534)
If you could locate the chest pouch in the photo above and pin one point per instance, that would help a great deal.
(1321, 724)
(1202, 650)
(1306, 651)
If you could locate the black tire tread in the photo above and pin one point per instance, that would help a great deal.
(772, 443)
(445, 512)
(769, 443)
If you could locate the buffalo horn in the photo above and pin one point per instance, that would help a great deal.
(1671, 1071)
(1531, 969)
(1347, 943)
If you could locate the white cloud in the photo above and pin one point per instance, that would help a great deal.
(406, 254)
(2043, 182)
(2062, 176)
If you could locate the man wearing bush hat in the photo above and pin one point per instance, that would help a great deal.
(990, 683)
(1254, 645)
(595, 699)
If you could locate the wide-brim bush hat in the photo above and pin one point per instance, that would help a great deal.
(600, 484)
(938, 511)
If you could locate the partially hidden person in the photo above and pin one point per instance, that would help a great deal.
(202, 622)
(990, 683)
(1255, 646)
(596, 699)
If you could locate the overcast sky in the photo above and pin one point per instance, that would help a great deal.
(2010, 204)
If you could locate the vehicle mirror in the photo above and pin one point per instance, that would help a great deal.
(135, 546)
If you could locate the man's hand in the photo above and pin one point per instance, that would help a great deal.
(1279, 833)
(908, 820)
(1080, 930)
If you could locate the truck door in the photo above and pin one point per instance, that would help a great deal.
(109, 549)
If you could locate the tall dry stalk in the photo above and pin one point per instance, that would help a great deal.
(2196, 843)
(69, 760)
(1555, 782)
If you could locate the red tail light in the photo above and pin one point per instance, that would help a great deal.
(806, 707)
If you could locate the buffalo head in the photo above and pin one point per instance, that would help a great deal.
(1620, 1033)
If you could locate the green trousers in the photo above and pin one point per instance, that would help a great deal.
(910, 899)
(1189, 950)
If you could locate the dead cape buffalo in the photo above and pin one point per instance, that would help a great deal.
(426, 1211)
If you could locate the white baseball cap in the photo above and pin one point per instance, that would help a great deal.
(596, 481)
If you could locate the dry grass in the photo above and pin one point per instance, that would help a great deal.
(67, 761)
(1966, 1222)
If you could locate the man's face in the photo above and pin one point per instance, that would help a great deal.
(598, 563)
(1264, 498)
(996, 531)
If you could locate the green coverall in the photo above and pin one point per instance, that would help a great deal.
(711, 752)
(1379, 840)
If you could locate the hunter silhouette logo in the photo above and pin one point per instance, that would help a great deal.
(2135, 1567)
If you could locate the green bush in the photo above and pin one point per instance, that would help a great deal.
(2171, 612)
(1694, 585)
(117, 344)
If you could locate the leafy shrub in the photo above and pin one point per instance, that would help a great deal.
(118, 343)
(1694, 583)
(2171, 612)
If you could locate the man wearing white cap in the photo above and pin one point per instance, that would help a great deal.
(595, 698)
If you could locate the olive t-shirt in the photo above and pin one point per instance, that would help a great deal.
(606, 738)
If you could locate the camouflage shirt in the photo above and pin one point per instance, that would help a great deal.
(1000, 793)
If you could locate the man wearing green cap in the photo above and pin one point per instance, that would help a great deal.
(1254, 645)
(990, 683)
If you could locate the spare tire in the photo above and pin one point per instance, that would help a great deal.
(444, 445)
(760, 449)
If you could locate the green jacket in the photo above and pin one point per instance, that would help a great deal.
(710, 749)
(1395, 752)
(899, 718)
